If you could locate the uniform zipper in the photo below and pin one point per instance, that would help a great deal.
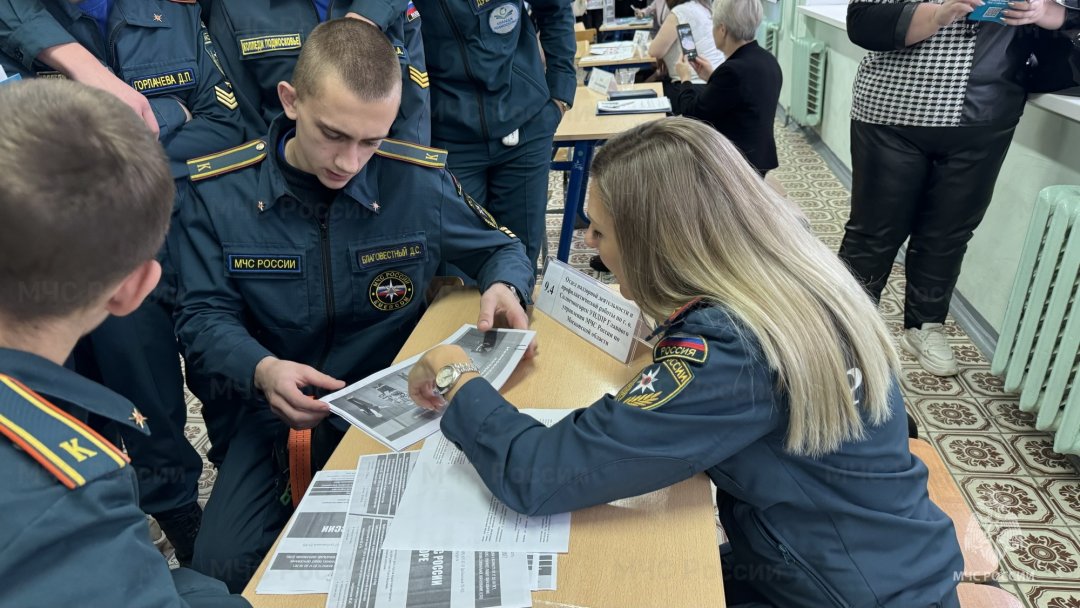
(468, 69)
(328, 286)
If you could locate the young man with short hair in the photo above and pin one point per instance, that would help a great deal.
(304, 258)
(81, 219)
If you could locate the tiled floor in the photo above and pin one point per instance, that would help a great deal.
(1026, 497)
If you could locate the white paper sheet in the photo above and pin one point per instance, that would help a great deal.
(634, 106)
(543, 571)
(469, 517)
(380, 405)
(304, 559)
(366, 576)
(609, 56)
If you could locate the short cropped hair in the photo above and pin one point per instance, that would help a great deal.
(85, 197)
(356, 53)
(740, 17)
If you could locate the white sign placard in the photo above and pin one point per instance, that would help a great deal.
(641, 41)
(589, 308)
(609, 11)
(601, 81)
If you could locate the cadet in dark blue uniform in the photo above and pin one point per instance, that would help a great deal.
(80, 221)
(260, 40)
(776, 377)
(161, 49)
(495, 106)
(304, 259)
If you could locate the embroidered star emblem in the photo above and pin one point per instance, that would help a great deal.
(645, 383)
(375, 206)
(262, 206)
(157, 18)
(138, 418)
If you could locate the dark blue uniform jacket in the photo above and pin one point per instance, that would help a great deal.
(856, 527)
(72, 533)
(487, 76)
(261, 275)
(158, 47)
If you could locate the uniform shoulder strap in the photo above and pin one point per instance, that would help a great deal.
(219, 163)
(412, 153)
(65, 447)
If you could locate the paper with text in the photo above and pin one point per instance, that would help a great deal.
(589, 308)
(369, 577)
(304, 559)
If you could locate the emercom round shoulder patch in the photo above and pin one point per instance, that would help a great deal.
(390, 291)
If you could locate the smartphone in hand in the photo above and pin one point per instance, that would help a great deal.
(686, 41)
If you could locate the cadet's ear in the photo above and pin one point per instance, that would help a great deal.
(134, 288)
(287, 94)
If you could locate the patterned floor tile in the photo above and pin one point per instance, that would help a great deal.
(1007, 416)
(918, 383)
(1065, 495)
(981, 383)
(1037, 554)
(952, 414)
(1039, 596)
(1038, 455)
(985, 454)
(1009, 499)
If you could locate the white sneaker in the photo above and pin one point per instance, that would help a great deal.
(929, 346)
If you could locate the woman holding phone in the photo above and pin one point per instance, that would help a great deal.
(774, 375)
(667, 45)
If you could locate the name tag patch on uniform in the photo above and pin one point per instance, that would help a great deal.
(51, 74)
(656, 385)
(261, 264)
(682, 346)
(390, 291)
(504, 18)
(165, 81)
(269, 44)
(393, 254)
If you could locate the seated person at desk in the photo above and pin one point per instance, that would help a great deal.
(775, 376)
(303, 260)
(81, 219)
(739, 99)
(665, 46)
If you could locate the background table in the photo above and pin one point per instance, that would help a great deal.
(583, 129)
(653, 550)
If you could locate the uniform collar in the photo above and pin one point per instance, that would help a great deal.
(55, 382)
(361, 189)
(679, 316)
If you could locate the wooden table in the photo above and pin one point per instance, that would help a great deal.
(582, 128)
(582, 50)
(653, 550)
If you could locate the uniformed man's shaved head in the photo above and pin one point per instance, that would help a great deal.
(85, 197)
(354, 53)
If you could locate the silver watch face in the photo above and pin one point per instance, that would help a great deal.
(445, 377)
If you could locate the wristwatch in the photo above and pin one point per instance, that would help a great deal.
(448, 375)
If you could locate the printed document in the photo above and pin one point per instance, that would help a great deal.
(304, 559)
(380, 405)
(367, 576)
(469, 517)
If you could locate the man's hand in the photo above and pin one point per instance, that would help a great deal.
(1044, 13)
(500, 307)
(281, 382)
(78, 64)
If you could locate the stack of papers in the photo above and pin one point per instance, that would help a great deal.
(608, 57)
(633, 106)
(632, 22)
(415, 529)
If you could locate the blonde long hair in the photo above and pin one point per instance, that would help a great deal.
(692, 218)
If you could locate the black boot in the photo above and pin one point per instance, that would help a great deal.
(181, 526)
